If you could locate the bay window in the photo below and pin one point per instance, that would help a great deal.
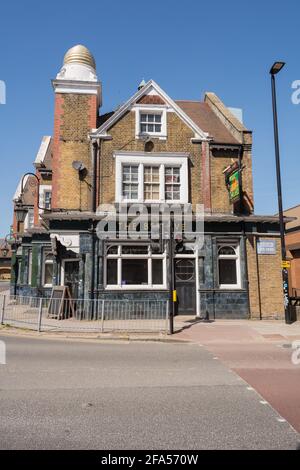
(135, 266)
(156, 179)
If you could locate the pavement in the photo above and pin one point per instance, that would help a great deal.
(260, 352)
(90, 394)
(4, 287)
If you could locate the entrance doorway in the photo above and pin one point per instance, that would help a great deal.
(185, 284)
(70, 276)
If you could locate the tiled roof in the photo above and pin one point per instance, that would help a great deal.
(206, 119)
(103, 117)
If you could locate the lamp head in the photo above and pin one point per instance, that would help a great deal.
(276, 67)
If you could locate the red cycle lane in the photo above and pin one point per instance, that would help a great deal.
(260, 356)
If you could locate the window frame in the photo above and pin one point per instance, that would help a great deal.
(46, 253)
(50, 199)
(149, 256)
(151, 109)
(160, 161)
(44, 188)
(29, 267)
(236, 247)
(29, 220)
(146, 122)
(130, 182)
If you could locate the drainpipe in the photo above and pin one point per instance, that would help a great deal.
(93, 210)
(240, 179)
(171, 276)
(94, 175)
(246, 269)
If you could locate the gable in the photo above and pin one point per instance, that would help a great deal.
(150, 94)
(151, 99)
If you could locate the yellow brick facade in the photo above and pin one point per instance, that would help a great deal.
(123, 139)
(71, 143)
(265, 281)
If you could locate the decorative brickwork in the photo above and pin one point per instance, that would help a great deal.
(151, 99)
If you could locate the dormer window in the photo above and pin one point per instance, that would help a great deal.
(151, 178)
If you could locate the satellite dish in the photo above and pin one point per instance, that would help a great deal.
(78, 165)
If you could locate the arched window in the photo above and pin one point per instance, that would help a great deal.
(226, 250)
(228, 266)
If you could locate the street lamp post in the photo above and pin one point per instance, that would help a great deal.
(276, 67)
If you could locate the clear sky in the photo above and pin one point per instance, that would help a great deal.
(188, 47)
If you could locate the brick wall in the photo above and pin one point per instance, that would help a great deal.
(293, 238)
(219, 193)
(75, 116)
(244, 137)
(123, 138)
(265, 281)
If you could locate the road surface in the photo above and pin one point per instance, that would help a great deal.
(70, 394)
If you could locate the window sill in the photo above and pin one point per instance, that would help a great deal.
(152, 136)
(230, 287)
(136, 287)
(149, 202)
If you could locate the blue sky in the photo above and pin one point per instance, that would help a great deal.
(187, 47)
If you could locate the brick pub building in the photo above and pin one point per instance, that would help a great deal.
(152, 149)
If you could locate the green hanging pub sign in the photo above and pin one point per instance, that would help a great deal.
(232, 181)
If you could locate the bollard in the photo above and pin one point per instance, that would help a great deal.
(40, 315)
(102, 316)
(167, 316)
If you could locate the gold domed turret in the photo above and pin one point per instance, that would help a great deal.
(79, 55)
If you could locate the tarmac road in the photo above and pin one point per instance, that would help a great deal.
(67, 394)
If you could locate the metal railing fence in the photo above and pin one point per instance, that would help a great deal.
(99, 315)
